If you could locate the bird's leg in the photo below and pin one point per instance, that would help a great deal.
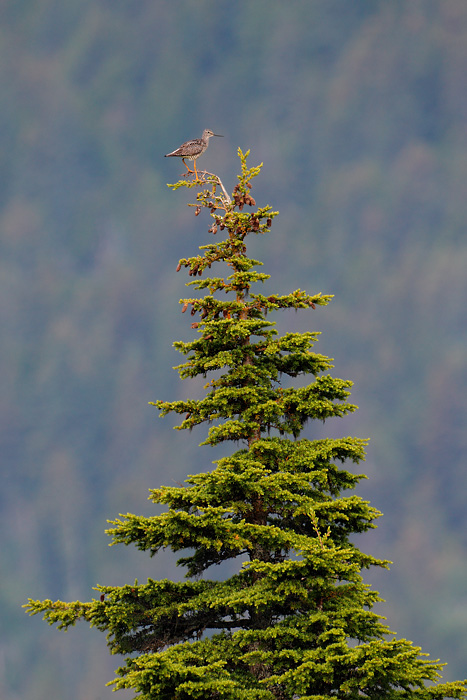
(196, 172)
(186, 166)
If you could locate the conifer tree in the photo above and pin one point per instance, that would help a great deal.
(296, 620)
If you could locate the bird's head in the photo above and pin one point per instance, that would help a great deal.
(207, 133)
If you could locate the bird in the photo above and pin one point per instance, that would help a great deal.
(193, 149)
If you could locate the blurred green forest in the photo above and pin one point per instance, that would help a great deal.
(359, 112)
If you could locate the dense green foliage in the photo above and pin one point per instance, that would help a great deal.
(296, 621)
(357, 110)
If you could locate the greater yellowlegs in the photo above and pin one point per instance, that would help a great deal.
(193, 149)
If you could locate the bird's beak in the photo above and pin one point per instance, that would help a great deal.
(221, 135)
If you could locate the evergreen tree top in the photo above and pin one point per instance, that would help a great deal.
(295, 618)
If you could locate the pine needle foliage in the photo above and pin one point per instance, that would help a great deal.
(296, 620)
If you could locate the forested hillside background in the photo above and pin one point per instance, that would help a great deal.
(359, 112)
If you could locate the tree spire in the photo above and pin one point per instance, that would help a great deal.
(294, 619)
